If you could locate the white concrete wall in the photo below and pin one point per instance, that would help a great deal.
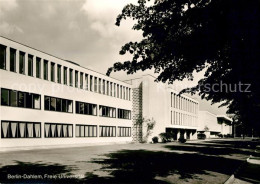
(20, 82)
(157, 105)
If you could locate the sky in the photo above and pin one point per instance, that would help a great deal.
(82, 31)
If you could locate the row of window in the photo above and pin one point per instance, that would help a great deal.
(14, 129)
(81, 80)
(183, 103)
(30, 100)
(20, 99)
(86, 108)
(178, 118)
(58, 104)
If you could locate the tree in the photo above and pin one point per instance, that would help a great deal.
(183, 36)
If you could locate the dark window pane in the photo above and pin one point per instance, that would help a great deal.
(30, 65)
(45, 68)
(86, 108)
(21, 62)
(13, 98)
(65, 75)
(21, 99)
(38, 67)
(29, 100)
(59, 74)
(71, 77)
(2, 57)
(64, 105)
(4, 97)
(76, 78)
(47, 103)
(58, 104)
(52, 72)
(12, 60)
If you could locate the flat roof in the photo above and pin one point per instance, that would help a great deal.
(71, 62)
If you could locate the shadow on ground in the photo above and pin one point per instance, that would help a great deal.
(132, 166)
(212, 149)
(26, 172)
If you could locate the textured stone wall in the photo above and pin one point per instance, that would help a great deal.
(137, 113)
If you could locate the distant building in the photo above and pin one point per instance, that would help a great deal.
(158, 101)
(46, 100)
(213, 125)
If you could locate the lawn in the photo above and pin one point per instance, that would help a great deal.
(193, 162)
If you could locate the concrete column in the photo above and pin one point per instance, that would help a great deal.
(7, 59)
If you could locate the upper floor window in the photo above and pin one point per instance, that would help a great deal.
(71, 77)
(76, 79)
(86, 108)
(30, 65)
(104, 87)
(53, 72)
(81, 80)
(2, 57)
(20, 99)
(107, 111)
(12, 60)
(91, 83)
(107, 87)
(65, 75)
(59, 73)
(58, 104)
(21, 62)
(111, 88)
(95, 84)
(99, 85)
(86, 80)
(45, 69)
(124, 114)
(38, 67)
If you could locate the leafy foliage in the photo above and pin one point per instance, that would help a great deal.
(185, 36)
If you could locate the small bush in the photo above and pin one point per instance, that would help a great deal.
(155, 139)
(201, 136)
(182, 140)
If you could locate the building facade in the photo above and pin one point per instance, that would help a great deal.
(46, 100)
(213, 125)
(160, 103)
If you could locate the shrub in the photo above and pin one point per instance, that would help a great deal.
(201, 136)
(182, 140)
(155, 139)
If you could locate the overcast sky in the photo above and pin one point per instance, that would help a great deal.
(82, 31)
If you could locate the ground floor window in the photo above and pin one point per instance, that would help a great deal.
(124, 131)
(107, 131)
(58, 130)
(14, 129)
(86, 131)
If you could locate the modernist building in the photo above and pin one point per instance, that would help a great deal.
(212, 125)
(171, 112)
(46, 100)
